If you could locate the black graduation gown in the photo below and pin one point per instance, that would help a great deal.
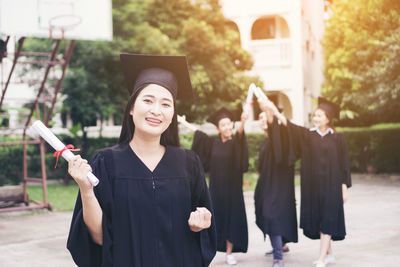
(226, 162)
(145, 214)
(324, 168)
(274, 197)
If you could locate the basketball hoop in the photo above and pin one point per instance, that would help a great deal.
(62, 23)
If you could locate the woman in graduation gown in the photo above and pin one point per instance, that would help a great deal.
(151, 207)
(325, 175)
(226, 159)
(274, 197)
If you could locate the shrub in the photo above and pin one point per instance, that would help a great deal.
(10, 164)
(373, 148)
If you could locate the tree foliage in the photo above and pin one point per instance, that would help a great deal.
(362, 59)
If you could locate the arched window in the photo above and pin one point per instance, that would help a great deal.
(273, 27)
(263, 28)
(281, 101)
(233, 26)
(283, 28)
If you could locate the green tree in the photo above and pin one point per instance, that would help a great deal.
(194, 28)
(362, 59)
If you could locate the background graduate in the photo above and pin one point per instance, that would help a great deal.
(325, 176)
(152, 206)
(274, 197)
(226, 159)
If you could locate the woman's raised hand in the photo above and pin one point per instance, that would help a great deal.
(181, 119)
(267, 105)
(78, 168)
(199, 219)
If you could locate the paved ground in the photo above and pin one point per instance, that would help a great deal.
(372, 218)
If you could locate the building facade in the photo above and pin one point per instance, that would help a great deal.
(284, 38)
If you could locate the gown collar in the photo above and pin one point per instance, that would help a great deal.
(329, 131)
(129, 148)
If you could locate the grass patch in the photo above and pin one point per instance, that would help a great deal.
(250, 181)
(62, 197)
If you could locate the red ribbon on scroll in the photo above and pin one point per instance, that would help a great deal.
(59, 153)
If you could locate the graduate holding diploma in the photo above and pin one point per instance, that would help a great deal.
(152, 207)
(274, 197)
(325, 175)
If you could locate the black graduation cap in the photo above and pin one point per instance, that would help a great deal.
(332, 109)
(170, 72)
(223, 113)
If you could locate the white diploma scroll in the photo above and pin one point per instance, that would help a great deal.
(259, 93)
(249, 98)
(50, 138)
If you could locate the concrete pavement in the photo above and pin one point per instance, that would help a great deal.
(372, 220)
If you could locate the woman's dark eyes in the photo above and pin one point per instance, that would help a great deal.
(149, 101)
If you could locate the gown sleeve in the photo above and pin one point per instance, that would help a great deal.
(275, 136)
(80, 244)
(297, 141)
(261, 154)
(201, 198)
(202, 145)
(241, 152)
(344, 160)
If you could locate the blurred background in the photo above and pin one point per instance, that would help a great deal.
(60, 63)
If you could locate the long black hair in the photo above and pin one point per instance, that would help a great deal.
(169, 137)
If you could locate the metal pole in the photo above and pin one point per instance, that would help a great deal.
(53, 55)
(44, 177)
(16, 56)
(25, 171)
(58, 86)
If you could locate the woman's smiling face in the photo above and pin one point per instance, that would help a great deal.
(153, 110)
(225, 128)
(320, 119)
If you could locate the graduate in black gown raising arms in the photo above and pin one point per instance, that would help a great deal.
(274, 197)
(226, 159)
(325, 175)
(152, 207)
